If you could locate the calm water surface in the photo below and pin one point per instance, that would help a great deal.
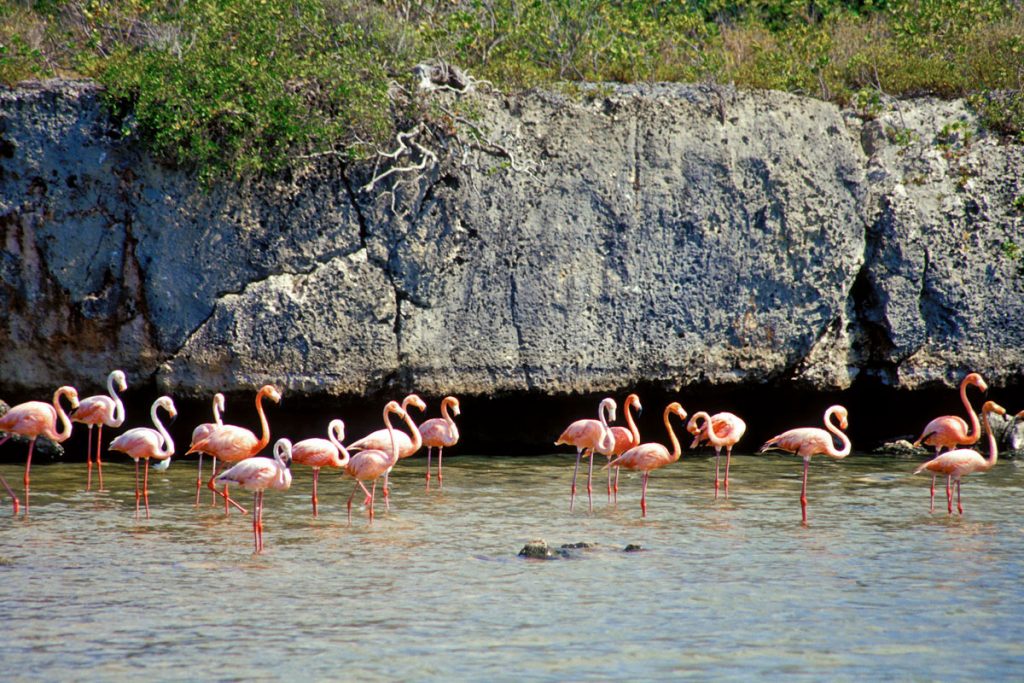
(874, 588)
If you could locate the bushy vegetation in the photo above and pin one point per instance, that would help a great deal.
(242, 86)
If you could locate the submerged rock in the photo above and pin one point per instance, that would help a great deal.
(900, 447)
(538, 550)
(632, 548)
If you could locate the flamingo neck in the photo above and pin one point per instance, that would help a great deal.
(993, 451)
(118, 406)
(974, 433)
(391, 434)
(336, 433)
(65, 421)
(676, 449)
(447, 418)
(218, 403)
(831, 449)
(168, 449)
(709, 428)
(414, 433)
(631, 424)
(265, 435)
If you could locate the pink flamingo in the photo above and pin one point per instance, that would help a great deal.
(232, 444)
(440, 433)
(203, 431)
(589, 436)
(726, 430)
(408, 444)
(950, 431)
(96, 411)
(808, 441)
(648, 457)
(317, 453)
(371, 464)
(34, 419)
(625, 438)
(146, 443)
(963, 461)
(258, 474)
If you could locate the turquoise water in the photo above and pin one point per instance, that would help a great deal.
(874, 588)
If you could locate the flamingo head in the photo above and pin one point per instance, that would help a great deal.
(283, 451)
(119, 380)
(167, 404)
(608, 405)
(454, 404)
(415, 401)
(993, 407)
(694, 426)
(677, 408)
(976, 379)
(70, 392)
(337, 427)
(843, 416)
(271, 392)
(218, 400)
(634, 400)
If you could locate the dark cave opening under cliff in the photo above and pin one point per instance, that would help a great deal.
(528, 423)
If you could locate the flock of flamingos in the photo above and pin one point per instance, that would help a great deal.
(372, 457)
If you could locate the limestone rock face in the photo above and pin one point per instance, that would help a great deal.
(673, 235)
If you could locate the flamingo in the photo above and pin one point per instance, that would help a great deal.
(33, 419)
(98, 411)
(625, 438)
(950, 431)
(146, 443)
(232, 444)
(808, 441)
(258, 475)
(372, 463)
(203, 431)
(726, 429)
(408, 444)
(319, 453)
(588, 436)
(439, 433)
(963, 461)
(647, 457)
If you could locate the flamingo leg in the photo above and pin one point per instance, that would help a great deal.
(28, 467)
(429, 449)
(590, 482)
(387, 490)
(617, 485)
(199, 478)
(88, 462)
(373, 493)
(803, 492)
(718, 454)
(643, 495)
(259, 519)
(255, 525)
(316, 476)
(99, 461)
(137, 492)
(145, 487)
(959, 506)
(572, 494)
(227, 499)
(728, 459)
(350, 502)
(949, 495)
(10, 492)
(213, 496)
(17, 503)
(609, 481)
(440, 475)
(931, 504)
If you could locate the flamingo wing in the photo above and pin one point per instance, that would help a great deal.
(93, 410)
(954, 463)
(367, 465)
(252, 474)
(315, 453)
(645, 457)
(141, 442)
(380, 441)
(29, 419)
(228, 443)
(804, 441)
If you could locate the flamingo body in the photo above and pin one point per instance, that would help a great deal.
(647, 457)
(440, 433)
(33, 419)
(258, 474)
(810, 441)
(145, 443)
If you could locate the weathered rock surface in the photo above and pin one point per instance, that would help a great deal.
(666, 234)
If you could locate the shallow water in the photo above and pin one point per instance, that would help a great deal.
(875, 587)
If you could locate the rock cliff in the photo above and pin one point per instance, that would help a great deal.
(671, 235)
